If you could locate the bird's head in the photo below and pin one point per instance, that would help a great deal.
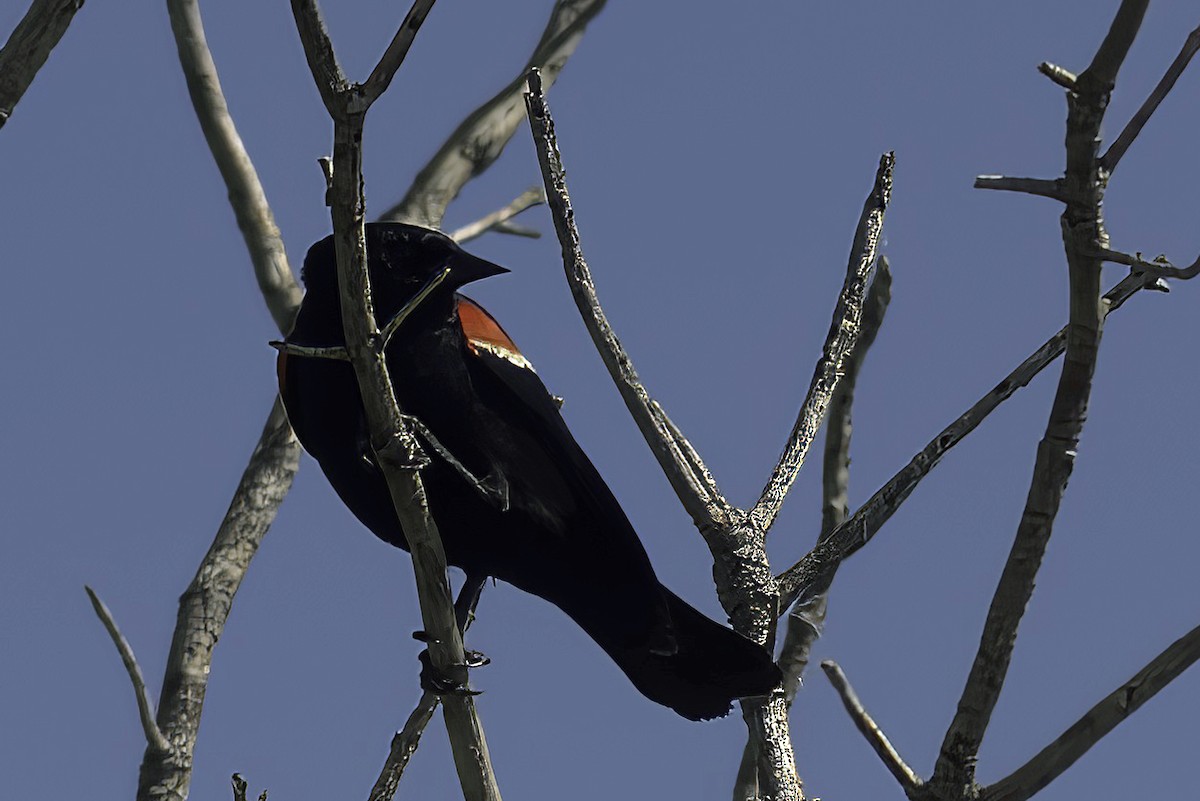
(402, 260)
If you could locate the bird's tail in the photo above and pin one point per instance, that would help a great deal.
(710, 667)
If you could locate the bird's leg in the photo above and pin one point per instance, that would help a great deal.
(464, 613)
(494, 487)
(468, 599)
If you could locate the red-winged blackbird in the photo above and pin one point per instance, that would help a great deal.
(539, 516)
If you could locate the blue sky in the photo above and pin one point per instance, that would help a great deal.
(718, 158)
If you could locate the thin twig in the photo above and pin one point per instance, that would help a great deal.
(856, 532)
(397, 452)
(393, 325)
(839, 344)
(335, 352)
(480, 138)
(154, 736)
(275, 278)
(29, 46)
(1134, 127)
(1083, 233)
(875, 737)
(1030, 186)
(1157, 268)
(381, 77)
(1060, 76)
(404, 745)
(204, 607)
(1102, 718)
(698, 496)
(533, 196)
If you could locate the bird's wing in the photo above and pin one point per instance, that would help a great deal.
(508, 384)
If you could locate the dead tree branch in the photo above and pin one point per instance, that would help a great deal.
(29, 46)
(154, 737)
(533, 196)
(398, 454)
(481, 137)
(1122, 702)
(839, 344)
(856, 532)
(699, 495)
(1083, 235)
(246, 196)
(909, 781)
(204, 607)
(1116, 151)
(807, 617)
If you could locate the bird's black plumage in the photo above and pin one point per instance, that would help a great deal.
(546, 522)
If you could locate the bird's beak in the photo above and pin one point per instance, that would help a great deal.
(466, 268)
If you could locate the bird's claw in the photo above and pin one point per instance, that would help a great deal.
(440, 684)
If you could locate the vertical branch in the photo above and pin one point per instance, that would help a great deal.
(29, 46)
(807, 618)
(398, 454)
(1084, 238)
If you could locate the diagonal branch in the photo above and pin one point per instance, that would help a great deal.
(1134, 127)
(154, 736)
(276, 280)
(691, 482)
(381, 77)
(1122, 702)
(29, 46)
(397, 452)
(856, 532)
(533, 196)
(839, 344)
(887, 753)
(481, 137)
(1083, 234)
(204, 607)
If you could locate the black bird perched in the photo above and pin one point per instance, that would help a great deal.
(539, 516)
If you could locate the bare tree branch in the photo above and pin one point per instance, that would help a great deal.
(856, 532)
(205, 605)
(1083, 234)
(381, 77)
(398, 454)
(875, 737)
(533, 196)
(29, 46)
(839, 344)
(1031, 186)
(1134, 127)
(1060, 76)
(1156, 268)
(807, 617)
(481, 137)
(1122, 702)
(699, 495)
(276, 280)
(154, 737)
(404, 745)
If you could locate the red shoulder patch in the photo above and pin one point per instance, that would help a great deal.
(484, 333)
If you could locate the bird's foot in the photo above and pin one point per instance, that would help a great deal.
(494, 487)
(439, 683)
